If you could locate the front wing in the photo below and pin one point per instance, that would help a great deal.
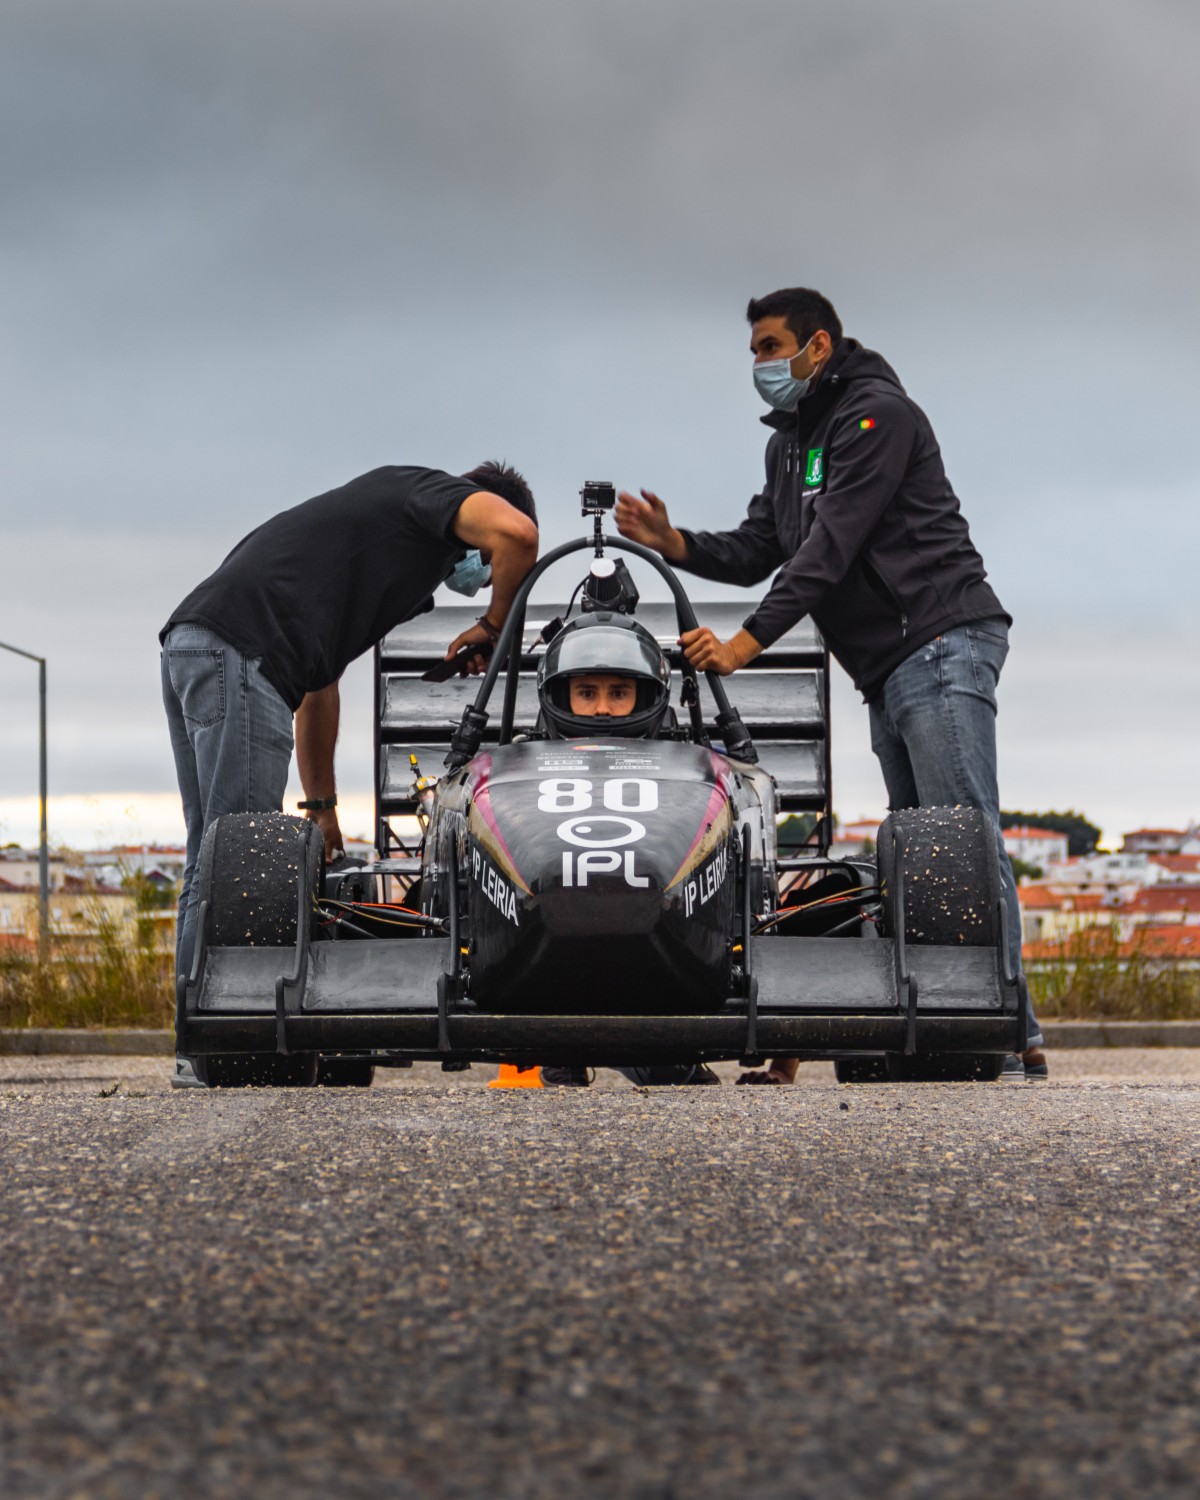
(808, 997)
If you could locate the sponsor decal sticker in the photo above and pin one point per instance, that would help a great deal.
(707, 881)
(494, 886)
(815, 472)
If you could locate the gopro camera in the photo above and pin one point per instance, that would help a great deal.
(597, 496)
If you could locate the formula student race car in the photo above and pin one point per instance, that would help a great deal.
(599, 891)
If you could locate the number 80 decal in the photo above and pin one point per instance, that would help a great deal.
(601, 837)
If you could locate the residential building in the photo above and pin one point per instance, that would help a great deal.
(22, 867)
(1155, 840)
(1036, 846)
(79, 910)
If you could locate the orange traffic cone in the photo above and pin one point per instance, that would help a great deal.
(512, 1077)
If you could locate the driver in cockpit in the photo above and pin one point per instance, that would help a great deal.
(600, 668)
(606, 674)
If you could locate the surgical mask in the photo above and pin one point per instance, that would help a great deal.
(470, 575)
(775, 383)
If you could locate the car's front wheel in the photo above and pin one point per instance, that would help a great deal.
(253, 868)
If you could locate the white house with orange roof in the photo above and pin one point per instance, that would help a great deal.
(1180, 869)
(1050, 913)
(1036, 846)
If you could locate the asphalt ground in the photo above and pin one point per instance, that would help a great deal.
(435, 1289)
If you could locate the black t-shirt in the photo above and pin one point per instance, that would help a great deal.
(319, 584)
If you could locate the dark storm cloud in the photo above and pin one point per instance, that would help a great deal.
(252, 248)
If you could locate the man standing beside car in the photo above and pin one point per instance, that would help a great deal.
(251, 659)
(860, 521)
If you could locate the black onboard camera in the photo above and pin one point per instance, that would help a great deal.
(609, 585)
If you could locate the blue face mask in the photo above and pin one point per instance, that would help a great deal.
(775, 383)
(470, 575)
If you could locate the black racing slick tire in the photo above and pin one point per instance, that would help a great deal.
(951, 895)
(861, 1070)
(945, 1067)
(259, 1070)
(951, 875)
(252, 869)
(346, 1073)
(250, 872)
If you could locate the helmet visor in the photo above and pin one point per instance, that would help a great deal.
(624, 653)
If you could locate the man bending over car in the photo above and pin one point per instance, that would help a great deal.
(252, 657)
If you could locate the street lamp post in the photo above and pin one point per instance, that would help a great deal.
(43, 847)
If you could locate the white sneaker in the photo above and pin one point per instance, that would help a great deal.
(184, 1076)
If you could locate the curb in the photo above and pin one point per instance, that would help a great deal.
(1069, 1035)
(1060, 1035)
(35, 1041)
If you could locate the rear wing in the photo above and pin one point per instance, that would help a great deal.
(783, 698)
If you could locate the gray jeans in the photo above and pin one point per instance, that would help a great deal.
(231, 733)
(933, 728)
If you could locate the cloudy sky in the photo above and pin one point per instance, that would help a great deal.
(255, 247)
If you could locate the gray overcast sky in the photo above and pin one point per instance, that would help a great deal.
(254, 248)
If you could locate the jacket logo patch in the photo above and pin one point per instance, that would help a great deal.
(867, 423)
(815, 472)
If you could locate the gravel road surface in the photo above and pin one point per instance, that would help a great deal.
(434, 1289)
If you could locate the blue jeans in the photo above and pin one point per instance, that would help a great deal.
(933, 728)
(231, 733)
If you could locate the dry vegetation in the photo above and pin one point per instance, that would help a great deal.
(116, 982)
(1093, 981)
(110, 982)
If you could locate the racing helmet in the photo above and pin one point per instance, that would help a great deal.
(613, 644)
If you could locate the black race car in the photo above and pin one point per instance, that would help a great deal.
(605, 892)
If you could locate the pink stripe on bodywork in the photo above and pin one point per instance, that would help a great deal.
(717, 800)
(481, 802)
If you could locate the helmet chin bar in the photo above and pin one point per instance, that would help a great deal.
(468, 736)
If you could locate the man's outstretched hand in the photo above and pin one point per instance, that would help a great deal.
(646, 521)
(708, 654)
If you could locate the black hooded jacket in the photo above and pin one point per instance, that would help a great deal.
(858, 515)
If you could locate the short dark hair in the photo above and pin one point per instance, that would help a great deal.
(805, 311)
(503, 480)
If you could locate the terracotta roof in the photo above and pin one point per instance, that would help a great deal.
(140, 849)
(1165, 898)
(1178, 864)
(1033, 833)
(1139, 833)
(1059, 898)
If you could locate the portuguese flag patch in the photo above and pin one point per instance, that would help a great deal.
(867, 423)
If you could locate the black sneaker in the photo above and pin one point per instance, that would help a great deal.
(566, 1078)
(1029, 1065)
